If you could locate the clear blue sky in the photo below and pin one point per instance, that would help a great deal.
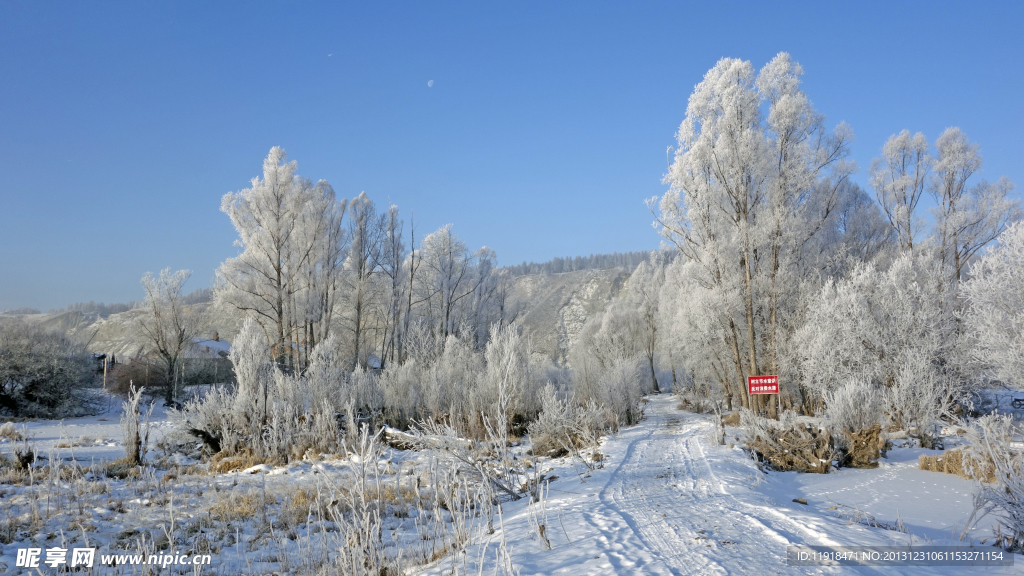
(123, 124)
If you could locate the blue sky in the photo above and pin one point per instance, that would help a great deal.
(123, 124)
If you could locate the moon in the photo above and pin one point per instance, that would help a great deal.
(430, 84)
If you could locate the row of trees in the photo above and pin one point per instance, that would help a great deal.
(782, 265)
(625, 260)
(787, 267)
(328, 288)
(312, 265)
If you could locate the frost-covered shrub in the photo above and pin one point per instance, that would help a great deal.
(988, 442)
(273, 415)
(920, 397)
(603, 373)
(452, 377)
(623, 385)
(552, 425)
(854, 406)
(995, 316)
(792, 442)
(564, 426)
(855, 414)
(135, 429)
(40, 371)
(868, 326)
(402, 389)
(509, 373)
(421, 344)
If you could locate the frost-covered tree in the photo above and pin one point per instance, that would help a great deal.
(867, 326)
(891, 329)
(967, 218)
(508, 386)
(40, 371)
(756, 176)
(447, 278)
(279, 251)
(995, 312)
(168, 325)
(695, 336)
(318, 286)
(645, 291)
(359, 271)
(899, 178)
(389, 258)
(856, 232)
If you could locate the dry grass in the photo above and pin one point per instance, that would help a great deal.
(84, 441)
(9, 432)
(222, 462)
(790, 444)
(122, 468)
(865, 447)
(954, 462)
(236, 508)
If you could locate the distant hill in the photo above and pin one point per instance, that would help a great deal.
(556, 306)
(109, 334)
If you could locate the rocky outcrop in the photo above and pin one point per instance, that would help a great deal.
(556, 306)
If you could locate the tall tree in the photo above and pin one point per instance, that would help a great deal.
(995, 315)
(359, 270)
(168, 324)
(967, 219)
(748, 193)
(390, 260)
(272, 219)
(899, 179)
(449, 277)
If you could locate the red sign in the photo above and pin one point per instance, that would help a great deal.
(762, 384)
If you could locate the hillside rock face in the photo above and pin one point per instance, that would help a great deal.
(556, 306)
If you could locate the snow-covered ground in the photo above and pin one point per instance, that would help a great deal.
(95, 438)
(669, 502)
(664, 500)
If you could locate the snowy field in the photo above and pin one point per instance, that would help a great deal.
(668, 502)
(662, 500)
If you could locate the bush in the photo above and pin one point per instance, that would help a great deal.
(273, 416)
(617, 386)
(790, 443)
(854, 413)
(853, 407)
(138, 371)
(564, 426)
(40, 371)
(920, 398)
(989, 440)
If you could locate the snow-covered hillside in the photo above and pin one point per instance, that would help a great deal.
(554, 307)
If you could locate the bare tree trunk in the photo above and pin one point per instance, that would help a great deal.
(734, 340)
(412, 275)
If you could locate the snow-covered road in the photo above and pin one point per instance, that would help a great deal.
(668, 502)
(666, 492)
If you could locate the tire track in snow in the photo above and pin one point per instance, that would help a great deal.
(666, 492)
